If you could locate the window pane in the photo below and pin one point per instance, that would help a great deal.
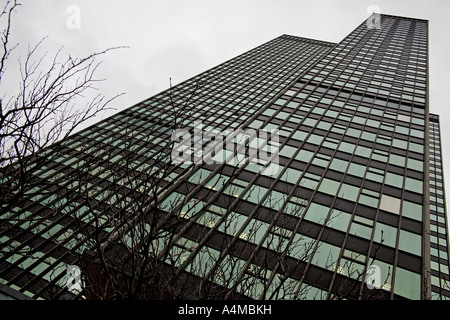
(291, 175)
(317, 213)
(407, 283)
(393, 179)
(410, 242)
(397, 160)
(415, 164)
(412, 210)
(357, 169)
(329, 186)
(346, 147)
(348, 192)
(385, 234)
(414, 185)
(304, 155)
(339, 165)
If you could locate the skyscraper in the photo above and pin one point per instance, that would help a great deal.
(301, 169)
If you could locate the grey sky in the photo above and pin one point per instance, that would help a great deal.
(182, 38)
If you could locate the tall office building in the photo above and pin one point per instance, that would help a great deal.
(301, 169)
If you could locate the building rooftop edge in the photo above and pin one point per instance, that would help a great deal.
(298, 38)
(401, 17)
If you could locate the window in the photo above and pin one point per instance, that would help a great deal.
(339, 165)
(401, 144)
(299, 135)
(346, 147)
(416, 147)
(407, 283)
(329, 186)
(275, 200)
(385, 234)
(288, 151)
(402, 130)
(360, 230)
(304, 155)
(415, 164)
(412, 210)
(315, 139)
(356, 169)
(397, 160)
(414, 185)
(410, 242)
(291, 175)
(404, 118)
(353, 132)
(394, 180)
(326, 255)
(317, 213)
(363, 151)
(390, 204)
(348, 192)
(339, 220)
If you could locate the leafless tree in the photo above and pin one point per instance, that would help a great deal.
(45, 108)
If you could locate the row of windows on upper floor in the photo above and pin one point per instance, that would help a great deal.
(371, 87)
(364, 73)
(371, 175)
(373, 58)
(381, 80)
(324, 125)
(360, 123)
(374, 54)
(312, 138)
(381, 83)
(352, 100)
(414, 48)
(387, 32)
(395, 159)
(281, 62)
(358, 95)
(266, 62)
(363, 85)
(393, 127)
(380, 68)
(386, 38)
(368, 172)
(413, 55)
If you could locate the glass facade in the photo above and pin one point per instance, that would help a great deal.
(337, 186)
(438, 218)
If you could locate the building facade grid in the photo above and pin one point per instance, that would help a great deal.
(349, 124)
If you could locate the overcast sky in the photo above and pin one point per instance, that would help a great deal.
(179, 39)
